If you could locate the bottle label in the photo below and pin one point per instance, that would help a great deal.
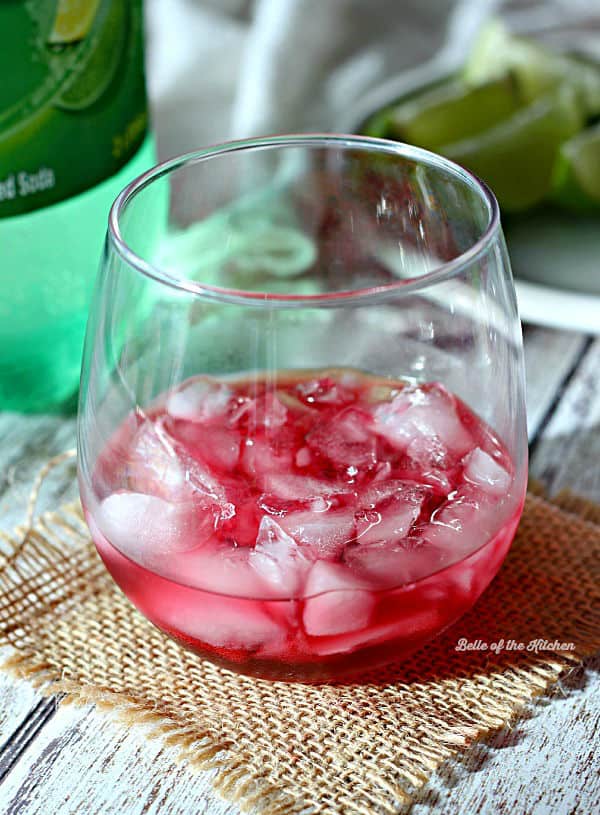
(72, 97)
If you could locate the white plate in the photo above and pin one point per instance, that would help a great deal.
(558, 308)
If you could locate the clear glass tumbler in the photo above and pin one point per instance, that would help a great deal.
(302, 442)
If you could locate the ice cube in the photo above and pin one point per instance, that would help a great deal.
(259, 456)
(383, 490)
(472, 575)
(206, 486)
(437, 482)
(199, 400)
(272, 413)
(428, 452)
(265, 411)
(218, 447)
(463, 524)
(487, 474)
(389, 419)
(382, 471)
(222, 448)
(421, 623)
(225, 622)
(160, 465)
(324, 577)
(221, 568)
(389, 524)
(431, 414)
(324, 532)
(291, 487)
(303, 457)
(293, 403)
(241, 408)
(387, 510)
(345, 440)
(278, 560)
(328, 390)
(143, 527)
(336, 602)
(462, 579)
(153, 465)
(386, 565)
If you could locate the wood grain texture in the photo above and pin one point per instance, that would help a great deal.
(17, 699)
(26, 443)
(26, 733)
(83, 762)
(546, 764)
(567, 455)
(549, 358)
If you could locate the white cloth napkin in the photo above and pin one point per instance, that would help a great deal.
(223, 69)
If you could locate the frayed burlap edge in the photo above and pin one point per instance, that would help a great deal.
(253, 792)
(498, 704)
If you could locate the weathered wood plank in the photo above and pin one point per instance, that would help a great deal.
(83, 762)
(17, 700)
(26, 444)
(25, 734)
(549, 358)
(567, 453)
(544, 765)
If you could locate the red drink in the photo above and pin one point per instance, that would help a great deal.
(310, 526)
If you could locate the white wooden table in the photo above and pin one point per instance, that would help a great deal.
(66, 760)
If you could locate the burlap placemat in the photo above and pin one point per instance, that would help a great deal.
(365, 747)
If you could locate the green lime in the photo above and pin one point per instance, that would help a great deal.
(537, 70)
(377, 126)
(449, 112)
(576, 181)
(516, 158)
(99, 63)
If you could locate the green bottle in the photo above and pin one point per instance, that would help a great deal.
(73, 133)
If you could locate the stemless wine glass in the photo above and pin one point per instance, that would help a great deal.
(302, 445)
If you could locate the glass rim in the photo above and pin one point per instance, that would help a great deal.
(439, 273)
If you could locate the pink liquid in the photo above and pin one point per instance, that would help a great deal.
(307, 528)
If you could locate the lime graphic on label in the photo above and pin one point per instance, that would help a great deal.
(72, 74)
(104, 47)
(73, 21)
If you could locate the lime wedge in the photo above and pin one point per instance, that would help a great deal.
(103, 49)
(73, 21)
(576, 181)
(537, 70)
(377, 126)
(448, 112)
(516, 158)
